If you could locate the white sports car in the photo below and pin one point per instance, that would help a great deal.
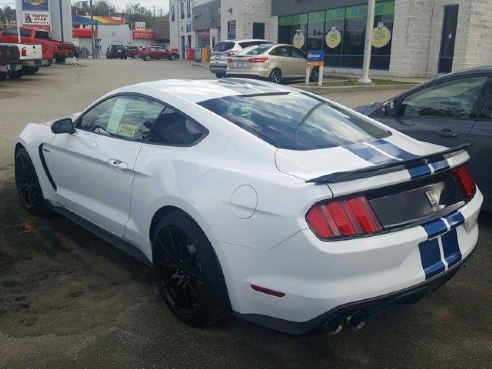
(287, 209)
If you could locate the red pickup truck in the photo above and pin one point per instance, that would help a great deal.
(51, 48)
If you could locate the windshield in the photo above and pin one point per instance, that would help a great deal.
(254, 50)
(295, 120)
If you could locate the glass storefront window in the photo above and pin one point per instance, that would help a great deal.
(346, 40)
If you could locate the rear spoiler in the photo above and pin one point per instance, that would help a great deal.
(390, 167)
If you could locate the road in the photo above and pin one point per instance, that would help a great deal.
(69, 300)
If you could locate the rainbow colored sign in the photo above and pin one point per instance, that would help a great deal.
(86, 19)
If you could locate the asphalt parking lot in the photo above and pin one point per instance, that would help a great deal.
(68, 299)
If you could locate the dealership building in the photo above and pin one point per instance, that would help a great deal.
(410, 38)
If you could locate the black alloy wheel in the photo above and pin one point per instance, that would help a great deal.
(27, 183)
(189, 279)
(179, 270)
(314, 74)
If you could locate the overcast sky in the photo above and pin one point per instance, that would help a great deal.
(159, 4)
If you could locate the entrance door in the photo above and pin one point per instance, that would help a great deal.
(448, 38)
(182, 47)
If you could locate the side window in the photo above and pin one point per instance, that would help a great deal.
(453, 99)
(10, 32)
(126, 116)
(486, 112)
(280, 51)
(25, 32)
(176, 129)
(296, 53)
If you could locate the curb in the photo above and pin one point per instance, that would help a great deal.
(327, 89)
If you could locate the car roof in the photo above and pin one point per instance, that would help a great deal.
(197, 91)
(245, 40)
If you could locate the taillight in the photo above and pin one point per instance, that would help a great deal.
(258, 59)
(343, 218)
(24, 52)
(466, 181)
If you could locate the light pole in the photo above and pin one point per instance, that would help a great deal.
(92, 30)
(371, 6)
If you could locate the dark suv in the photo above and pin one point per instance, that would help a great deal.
(116, 52)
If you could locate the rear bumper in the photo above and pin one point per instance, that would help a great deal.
(33, 63)
(10, 68)
(319, 279)
(369, 307)
(218, 68)
(240, 73)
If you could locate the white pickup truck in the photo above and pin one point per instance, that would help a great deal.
(30, 56)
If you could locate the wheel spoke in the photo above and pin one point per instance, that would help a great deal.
(169, 265)
(167, 251)
(197, 297)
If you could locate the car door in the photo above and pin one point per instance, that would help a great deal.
(93, 167)
(481, 151)
(442, 113)
(165, 169)
(300, 61)
(284, 61)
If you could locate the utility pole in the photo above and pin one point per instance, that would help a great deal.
(371, 6)
(92, 31)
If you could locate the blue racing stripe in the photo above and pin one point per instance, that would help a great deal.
(393, 150)
(435, 228)
(419, 171)
(451, 248)
(440, 165)
(430, 257)
(368, 153)
(455, 219)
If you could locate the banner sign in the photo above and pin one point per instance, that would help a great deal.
(35, 19)
(315, 58)
(38, 5)
(143, 34)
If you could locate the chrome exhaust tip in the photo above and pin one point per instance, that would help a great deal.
(334, 325)
(356, 321)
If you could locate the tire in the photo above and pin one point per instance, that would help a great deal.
(188, 273)
(27, 184)
(147, 58)
(3, 76)
(219, 75)
(17, 74)
(173, 57)
(314, 75)
(275, 76)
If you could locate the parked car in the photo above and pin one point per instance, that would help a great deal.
(277, 63)
(116, 52)
(132, 51)
(9, 61)
(30, 57)
(448, 111)
(290, 210)
(157, 52)
(224, 49)
(51, 48)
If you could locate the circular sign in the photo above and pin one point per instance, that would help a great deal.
(298, 40)
(333, 38)
(381, 36)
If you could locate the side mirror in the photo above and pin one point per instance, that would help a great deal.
(64, 125)
(389, 108)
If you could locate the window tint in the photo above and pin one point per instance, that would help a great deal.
(10, 32)
(280, 51)
(174, 128)
(127, 116)
(296, 53)
(294, 120)
(245, 44)
(224, 46)
(42, 35)
(452, 99)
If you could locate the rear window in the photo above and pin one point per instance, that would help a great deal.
(42, 35)
(245, 44)
(255, 50)
(224, 46)
(295, 121)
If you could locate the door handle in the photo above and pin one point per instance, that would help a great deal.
(118, 164)
(446, 132)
